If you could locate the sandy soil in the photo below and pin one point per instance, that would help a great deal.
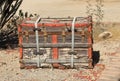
(65, 8)
(9, 59)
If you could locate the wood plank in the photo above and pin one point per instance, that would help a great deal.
(58, 45)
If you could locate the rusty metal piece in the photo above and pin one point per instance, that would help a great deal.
(87, 34)
(55, 25)
(83, 35)
(54, 33)
(20, 42)
(27, 36)
(34, 29)
(90, 65)
(20, 45)
(22, 66)
(55, 54)
(30, 67)
(45, 35)
(20, 34)
(63, 35)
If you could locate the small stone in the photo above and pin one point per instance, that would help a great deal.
(15, 57)
(3, 63)
(17, 73)
(32, 70)
(93, 78)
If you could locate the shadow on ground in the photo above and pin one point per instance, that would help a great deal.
(96, 57)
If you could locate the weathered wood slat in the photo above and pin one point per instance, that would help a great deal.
(59, 45)
(82, 60)
(31, 39)
(52, 33)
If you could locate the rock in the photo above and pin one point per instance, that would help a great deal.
(105, 35)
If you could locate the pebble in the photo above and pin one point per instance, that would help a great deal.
(17, 73)
(3, 63)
